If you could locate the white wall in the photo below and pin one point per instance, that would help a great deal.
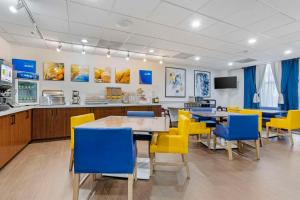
(5, 49)
(158, 86)
(231, 97)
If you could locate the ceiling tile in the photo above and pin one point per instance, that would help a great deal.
(27, 41)
(190, 4)
(221, 9)
(250, 15)
(168, 14)
(85, 30)
(51, 24)
(290, 7)
(283, 30)
(138, 8)
(53, 8)
(140, 40)
(218, 29)
(271, 22)
(103, 4)
(18, 30)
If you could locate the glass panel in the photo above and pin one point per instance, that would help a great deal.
(27, 92)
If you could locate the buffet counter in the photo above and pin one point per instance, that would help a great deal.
(21, 125)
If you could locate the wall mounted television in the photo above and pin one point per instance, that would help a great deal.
(225, 82)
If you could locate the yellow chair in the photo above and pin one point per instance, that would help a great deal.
(289, 123)
(233, 109)
(254, 112)
(172, 143)
(77, 121)
(196, 128)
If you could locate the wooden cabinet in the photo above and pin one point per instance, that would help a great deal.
(49, 123)
(156, 109)
(101, 112)
(15, 134)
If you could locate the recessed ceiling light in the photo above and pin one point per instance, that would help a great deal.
(151, 50)
(252, 41)
(161, 62)
(13, 9)
(84, 40)
(230, 63)
(197, 58)
(145, 60)
(196, 23)
(287, 52)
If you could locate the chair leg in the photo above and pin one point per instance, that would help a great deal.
(208, 141)
(185, 161)
(130, 186)
(151, 163)
(135, 171)
(76, 186)
(215, 142)
(291, 137)
(71, 160)
(260, 140)
(229, 150)
(94, 177)
(257, 147)
(268, 133)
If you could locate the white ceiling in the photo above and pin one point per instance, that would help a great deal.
(163, 25)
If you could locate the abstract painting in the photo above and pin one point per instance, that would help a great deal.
(54, 71)
(145, 77)
(102, 74)
(175, 82)
(202, 83)
(123, 76)
(79, 73)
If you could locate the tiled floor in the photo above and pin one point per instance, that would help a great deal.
(40, 172)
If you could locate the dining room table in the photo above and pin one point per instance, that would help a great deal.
(139, 125)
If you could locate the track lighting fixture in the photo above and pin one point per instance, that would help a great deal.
(128, 57)
(108, 53)
(16, 8)
(58, 49)
(83, 51)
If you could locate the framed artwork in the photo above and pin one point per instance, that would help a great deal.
(123, 76)
(54, 71)
(102, 74)
(175, 82)
(79, 73)
(202, 83)
(145, 77)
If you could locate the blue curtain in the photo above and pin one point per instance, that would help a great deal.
(289, 83)
(249, 87)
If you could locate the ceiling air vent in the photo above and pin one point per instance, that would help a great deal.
(109, 44)
(183, 55)
(246, 60)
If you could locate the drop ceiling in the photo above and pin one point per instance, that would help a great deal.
(162, 25)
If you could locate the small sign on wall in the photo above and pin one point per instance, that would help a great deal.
(145, 77)
(24, 65)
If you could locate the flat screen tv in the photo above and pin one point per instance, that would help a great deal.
(225, 82)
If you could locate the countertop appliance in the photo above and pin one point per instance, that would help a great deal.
(26, 88)
(75, 97)
(52, 97)
(5, 86)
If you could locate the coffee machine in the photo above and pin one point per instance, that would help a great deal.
(75, 97)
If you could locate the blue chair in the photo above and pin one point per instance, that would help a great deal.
(143, 136)
(239, 128)
(104, 150)
(140, 114)
(210, 122)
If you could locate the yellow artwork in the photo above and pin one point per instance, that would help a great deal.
(79, 73)
(102, 74)
(54, 71)
(123, 76)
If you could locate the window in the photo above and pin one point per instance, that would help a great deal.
(268, 91)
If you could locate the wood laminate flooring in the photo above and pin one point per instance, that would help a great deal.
(40, 172)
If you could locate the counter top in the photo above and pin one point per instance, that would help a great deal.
(24, 108)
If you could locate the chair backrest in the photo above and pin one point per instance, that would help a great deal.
(243, 127)
(183, 130)
(202, 109)
(254, 112)
(293, 118)
(140, 114)
(79, 120)
(185, 113)
(104, 150)
(270, 108)
(233, 109)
